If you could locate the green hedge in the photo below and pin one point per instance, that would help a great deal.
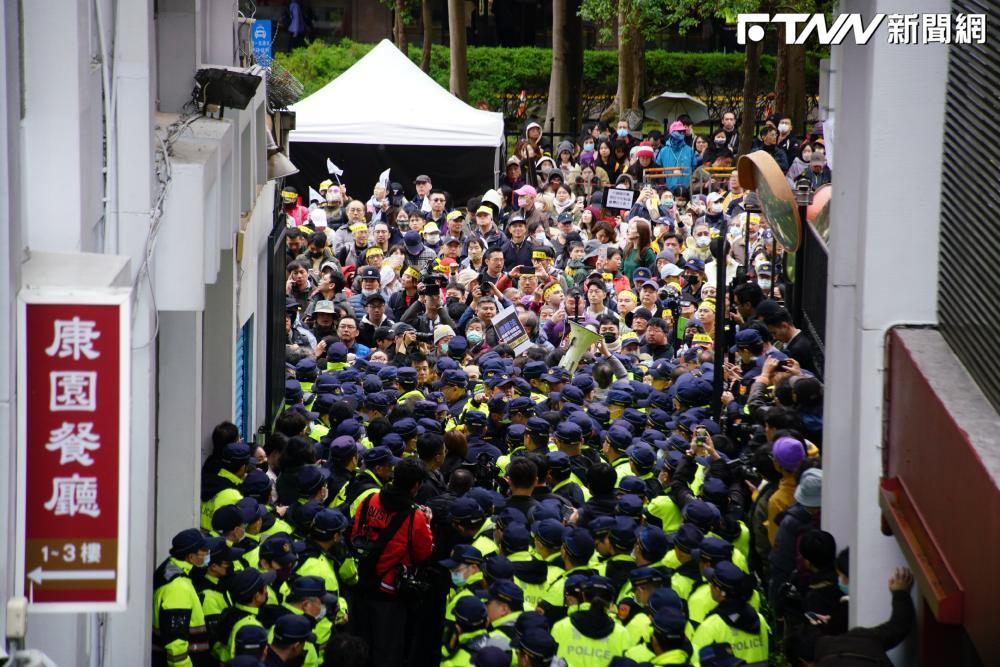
(495, 71)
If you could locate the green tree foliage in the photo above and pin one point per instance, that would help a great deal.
(495, 72)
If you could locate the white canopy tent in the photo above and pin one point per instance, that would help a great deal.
(384, 112)
(386, 99)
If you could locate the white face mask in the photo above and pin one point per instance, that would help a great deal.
(433, 237)
(715, 208)
(703, 241)
(207, 561)
(784, 128)
(764, 284)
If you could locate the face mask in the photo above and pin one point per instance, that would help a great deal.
(433, 237)
(444, 348)
(676, 136)
(622, 132)
(474, 337)
(764, 284)
(458, 578)
(783, 128)
(703, 241)
(843, 587)
(208, 559)
(720, 141)
(667, 202)
(321, 614)
(539, 239)
(715, 208)
(451, 299)
(588, 147)
(609, 338)
(369, 292)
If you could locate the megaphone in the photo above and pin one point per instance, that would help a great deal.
(577, 343)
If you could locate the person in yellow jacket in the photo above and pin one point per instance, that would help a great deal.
(668, 642)
(504, 605)
(248, 590)
(733, 621)
(466, 634)
(210, 582)
(309, 598)
(589, 637)
(319, 557)
(465, 564)
(179, 632)
(713, 550)
(222, 488)
(290, 637)
(576, 551)
(616, 442)
(687, 575)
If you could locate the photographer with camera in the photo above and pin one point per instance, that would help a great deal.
(427, 313)
(390, 535)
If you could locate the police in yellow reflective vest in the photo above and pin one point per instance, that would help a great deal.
(535, 647)
(179, 632)
(686, 575)
(589, 637)
(615, 443)
(378, 464)
(465, 564)
(614, 541)
(466, 635)
(650, 593)
(222, 488)
(342, 459)
(713, 550)
(536, 439)
(248, 589)
(668, 644)
(308, 598)
(407, 378)
(325, 554)
(530, 573)
(469, 523)
(651, 546)
(733, 621)
(209, 582)
(576, 551)
(504, 603)
(291, 636)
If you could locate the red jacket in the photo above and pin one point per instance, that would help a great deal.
(411, 544)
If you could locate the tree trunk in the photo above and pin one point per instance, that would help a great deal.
(458, 81)
(557, 110)
(574, 60)
(626, 63)
(796, 87)
(425, 22)
(751, 76)
(781, 74)
(399, 27)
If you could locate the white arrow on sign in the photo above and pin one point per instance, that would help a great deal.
(38, 575)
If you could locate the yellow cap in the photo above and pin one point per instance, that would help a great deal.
(430, 228)
(325, 184)
(484, 209)
(454, 215)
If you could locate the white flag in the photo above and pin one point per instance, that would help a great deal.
(314, 196)
(383, 179)
(333, 169)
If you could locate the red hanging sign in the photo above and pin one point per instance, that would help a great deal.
(73, 388)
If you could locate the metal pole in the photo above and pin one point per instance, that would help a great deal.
(720, 345)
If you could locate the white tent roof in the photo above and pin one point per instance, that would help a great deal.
(385, 99)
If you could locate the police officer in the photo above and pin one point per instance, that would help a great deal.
(248, 591)
(465, 565)
(642, 458)
(319, 558)
(454, 386)
(561, 478)
(467, 634)
(733, 621)
(309, 598)
(617, 440)
(378, 464)
(210, 582)
(535, 648)
(668, 644)
(222, 488)
(407, 378)
(576, 551)
(687, 540)
(180, 636)
(504, 604)
(468, 520)
(342, 459)
(289, 638)
(615, 540)
(590, 637)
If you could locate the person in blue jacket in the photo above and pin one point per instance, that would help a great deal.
(676, 153)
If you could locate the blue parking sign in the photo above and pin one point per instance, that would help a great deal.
(261, 40)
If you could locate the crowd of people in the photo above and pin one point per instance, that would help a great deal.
(430, 495)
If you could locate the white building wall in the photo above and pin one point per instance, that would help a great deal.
(51, 163)
(888, 101)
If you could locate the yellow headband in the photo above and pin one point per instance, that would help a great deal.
(551, 288)
(358, 227)
(628, 292)
(538, 254)
(374, 251)
(285, 194)
(412, 272)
